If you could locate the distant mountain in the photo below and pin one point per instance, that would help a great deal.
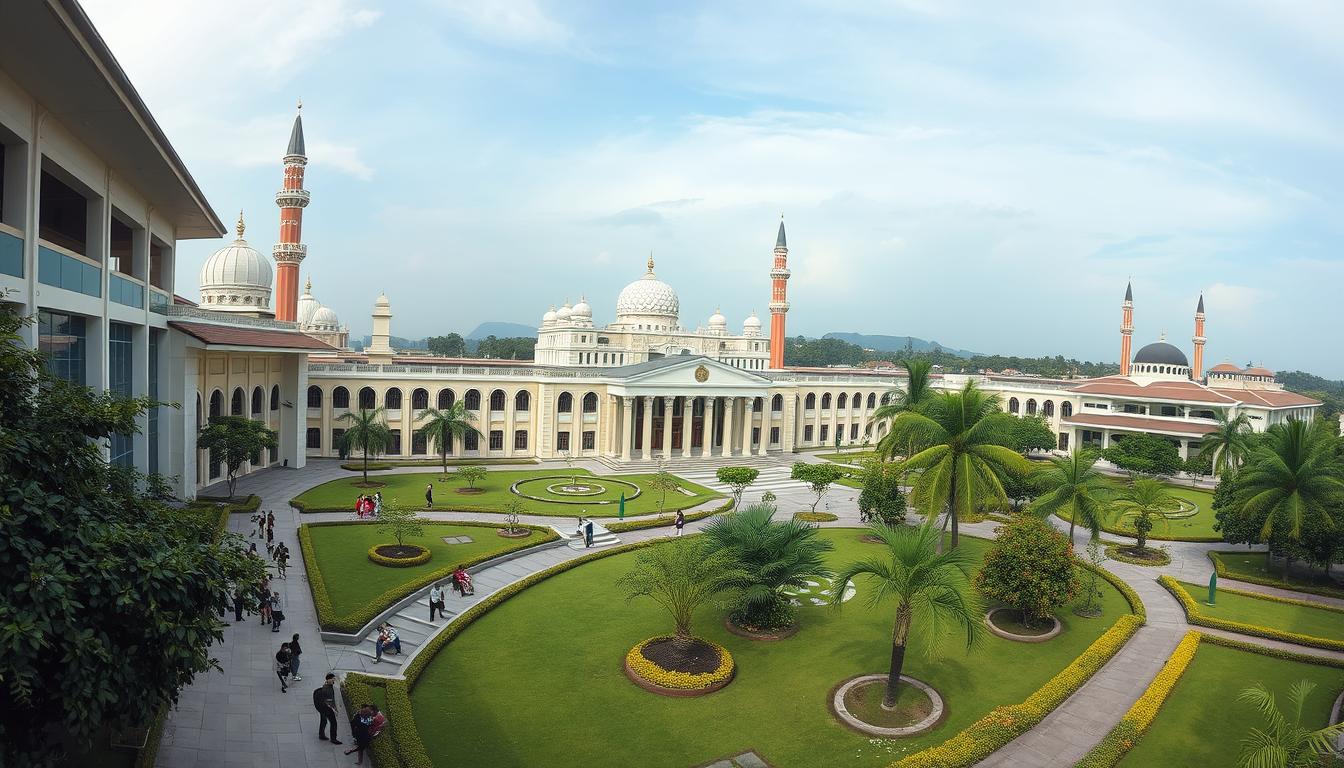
(501, 331)
(397, 342)
(896, 343)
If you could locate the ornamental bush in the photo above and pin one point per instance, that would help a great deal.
(1030, 567)
(881, 498)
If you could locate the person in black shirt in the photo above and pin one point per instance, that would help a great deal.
(282, 658)
(324, 699)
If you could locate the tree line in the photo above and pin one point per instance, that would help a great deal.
(509, 348)
(832, 352)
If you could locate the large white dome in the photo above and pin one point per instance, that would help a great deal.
(325, 319)
(236, 278)
(648, 296)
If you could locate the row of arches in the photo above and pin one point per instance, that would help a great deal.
(237, 402)
(1047, 407)
(842, 401)
(367, 399)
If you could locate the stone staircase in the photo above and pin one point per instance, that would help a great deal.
(601, 536)
(681, 465)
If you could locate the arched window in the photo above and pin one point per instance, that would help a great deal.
(777, 403)
(1031, 406)
(236, 405)
(1012, 405)
(275, 397)
(314, 396)
(809, 402)
(872, 400)
(565, 404)
(340, 398)
(856, 401)
(758, 405)
(446, 398)
(367, 399)
(472, 400)
(842, 401)
(392, 400)
(1048, 408)
(216, 404)
(826, 401)
(419, 399)
(497, 400)
(522, 401)
(1066, 408)
(258, 401)
(590, 402)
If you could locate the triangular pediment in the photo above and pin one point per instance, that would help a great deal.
(687, 372)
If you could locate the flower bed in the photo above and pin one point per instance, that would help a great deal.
(650, 676)
(421, 555)
(1113, 551)
(1194, 615)
(815, 517)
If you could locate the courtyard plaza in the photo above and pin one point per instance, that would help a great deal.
(238, 716)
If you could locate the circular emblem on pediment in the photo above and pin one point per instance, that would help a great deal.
(701, 374)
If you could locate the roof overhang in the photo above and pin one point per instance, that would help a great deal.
(226, 338)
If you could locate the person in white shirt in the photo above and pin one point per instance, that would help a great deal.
(436, 601)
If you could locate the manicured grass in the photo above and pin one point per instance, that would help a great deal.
(1299, 619)
(562, 641)
(409, 490)
(1202, 723)
(1198, 526)
(1255, 566)
(849, 457)
(352, 580)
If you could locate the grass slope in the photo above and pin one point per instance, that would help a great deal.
(1316, 622)
(1202, 723)
(538, 680)
(1255, 566)
(1199, 525)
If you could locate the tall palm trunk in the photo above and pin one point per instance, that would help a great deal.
(898, 635)
(952, 502)
(366, 464)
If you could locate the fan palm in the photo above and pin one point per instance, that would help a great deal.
(964, 452)
(1227, 446)
(1073, 484)
(441, 426)
(1286, 744)
(933, 592)
(680, 576)
(1145, 501)
(771, 555)
(366, 430)
(1292, 473)
(916, 393)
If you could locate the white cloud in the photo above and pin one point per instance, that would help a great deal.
(508, 22)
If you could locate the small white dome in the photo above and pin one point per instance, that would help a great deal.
(717, 320)
(648, 296)
(752, 322)
(564, 312)
(582, 309)
(307, 305)
(325, 319)
(382, 300)
(548, 318)
(236, 277)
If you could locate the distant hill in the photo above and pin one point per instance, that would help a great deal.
(502, 330)
(397, 342)
(896, 343)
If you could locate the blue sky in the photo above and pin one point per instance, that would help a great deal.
(987, 175)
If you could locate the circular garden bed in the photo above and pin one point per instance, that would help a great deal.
(581, 490)
(857, 703)
(1008, 624)
(660, 666)
(1127, 554)
(469, 491)
(816, 517)
(398, 555)
(760, 633)
(519, 533)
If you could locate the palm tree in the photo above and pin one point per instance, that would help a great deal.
(1072, 483)
(1227, 445)
(441, 426)
(917, 391)
(1286, 744)
(681, 576)
(1145, 501)
(771, 555)
(367, 431)
(1291, 474)
(933, 591)
(966, 452)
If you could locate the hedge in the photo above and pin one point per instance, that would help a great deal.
(1122, 738)
(146, 757)
(1114, 531)
(681, 681)
(382, 466)
(1195, 616)
(1113, 552)
(654, 522)
(354, 622)
(1276, 653)
(1223, 573)
(398, 562)
(399, 745)
(815, 517)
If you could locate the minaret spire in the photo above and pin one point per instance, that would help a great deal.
(1126, 327)
(1197, 366)
(292, 199)
(779, 304)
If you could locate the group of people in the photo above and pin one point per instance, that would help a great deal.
(388, 640)
(269, 603)
(287, 663)
(459, 581)
(367, 507)
(365, 724)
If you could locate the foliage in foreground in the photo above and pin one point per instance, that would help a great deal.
(1029, 567)
(680, 576)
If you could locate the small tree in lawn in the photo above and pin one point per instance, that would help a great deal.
(512, 509)
(400, 523)
(663, 481)
(366, 430)
(1030, 568)
(680, 576)
(819, 478)
(471, 474)
(1145, 502)
(738, 479)
(1091, 581)
(881, 497)
(235, 439)
(569, 462)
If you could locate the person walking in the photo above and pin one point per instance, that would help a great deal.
(264, 600)
(588, 533)
(436, 602)
(277, 611)
(324, 700)
(360, 726)
(281, 560)
(377, 503)
(429, 496)
(681, 521)
(295, 651)
(237, 604)
(270, 537)
(282, 659)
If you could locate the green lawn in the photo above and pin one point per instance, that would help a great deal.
(409, 490)
(538, 680)
(1316, 622)
(1252, 566)
(1200, 525)
(1202, 723)
(849, 457)
(352, 580)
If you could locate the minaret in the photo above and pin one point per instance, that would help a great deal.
(292, 199)
(1197, 364)
(380, 341)
(779, 305)
(1126, 328)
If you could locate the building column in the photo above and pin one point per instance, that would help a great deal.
(628, 423)
(788, 426)
(863, 421)
(707, 427)
(729, 403)
(746, 425)
(764, 445)
(667, 427)
(816, 422)
(647, 455)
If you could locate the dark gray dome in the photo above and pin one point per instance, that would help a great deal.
(1161, 353)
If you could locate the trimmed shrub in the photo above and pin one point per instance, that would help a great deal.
(1194, 616)
(682, 681)
(399, 562)
(1029, 567)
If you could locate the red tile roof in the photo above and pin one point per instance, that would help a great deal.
(1269, 398)
(1140, 423)
(233, 336)
(1157, 390)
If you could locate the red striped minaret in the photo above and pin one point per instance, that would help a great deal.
(292, 199)
(779, 305)
(1197, 369)
(1126, 328)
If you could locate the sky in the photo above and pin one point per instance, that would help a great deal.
(986, 175)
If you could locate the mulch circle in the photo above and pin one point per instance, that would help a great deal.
(469, 491)
(1009, 635)
(399, 552)
(523, 534)
(703, 658)
(868, 538)
(767, 636)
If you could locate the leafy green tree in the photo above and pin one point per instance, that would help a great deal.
(513, 509)
(1285, 743)
(442, 426)
(819, 478)
(236, 439)
(680, 575)
(738, 479)
(1029, 567)
(932, 590)
(451, 345)
(662, 482)
(107, 590)
(471, 474)
(1033, 433)
(1226, 447)
(1073, 485)
(771, 555)
(1295, 473)
(366, 430)
(1198, 465)
(881, 498)
(1145, 454)
(1146, 501)
(965, 451)
(400, 523)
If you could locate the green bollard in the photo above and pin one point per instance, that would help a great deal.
(620, 513)
(1213, 588)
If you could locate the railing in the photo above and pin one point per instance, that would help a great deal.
(184, 311)
(11, 251)
(159, 301)
(65, 269)
(125, 291)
